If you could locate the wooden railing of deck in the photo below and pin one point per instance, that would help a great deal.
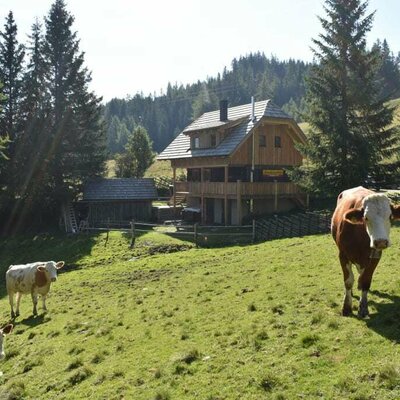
(246, 188)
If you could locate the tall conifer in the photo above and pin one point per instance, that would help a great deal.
(350, 141)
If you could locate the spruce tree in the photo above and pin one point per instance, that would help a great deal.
(76, 139)
(11, 71)
(350, 140)
(138, 155)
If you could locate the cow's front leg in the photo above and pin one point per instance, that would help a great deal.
(364, 283)
(44, 302)
(34, 301)
(348, 278)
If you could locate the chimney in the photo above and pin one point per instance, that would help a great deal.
(223, 110)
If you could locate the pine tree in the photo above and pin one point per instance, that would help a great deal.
(138, 155)
(350, 142)
(76, 140)
(11, 70)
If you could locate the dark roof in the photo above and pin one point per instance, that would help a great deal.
(120, 189)
(180, 146)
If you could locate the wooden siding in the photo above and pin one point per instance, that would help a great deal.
(200, 162)
(287, 154)
(101, 212)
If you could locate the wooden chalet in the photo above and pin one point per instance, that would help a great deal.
(117, 200)
(235, 160)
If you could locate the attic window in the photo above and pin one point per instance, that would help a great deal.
(196, 143)
(213, 140)
(278, 143)
(262, 141)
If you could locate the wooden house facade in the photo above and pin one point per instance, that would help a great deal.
(236, 160)
(117, 200)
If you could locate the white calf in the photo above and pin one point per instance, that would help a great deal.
(3, 332)
(34, 278)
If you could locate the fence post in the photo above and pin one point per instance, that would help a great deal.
(108, 232)
(195, 234)
(254, 230)
(133, 238)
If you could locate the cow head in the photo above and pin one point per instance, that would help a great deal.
(376, 212)
(3, 332)
(50, 269)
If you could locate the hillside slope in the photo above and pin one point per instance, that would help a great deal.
(251, 322)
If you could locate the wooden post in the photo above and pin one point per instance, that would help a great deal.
(202, 208)
(254, 230)
(275, 195)
(174, 191)
(226, 196)
(239, 202)
(195, 234)
(108, 231)
(133, 234)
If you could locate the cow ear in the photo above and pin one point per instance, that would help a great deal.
(60, 264)
(395, 211)
(354, 215)
(8, 329)
(41, 268)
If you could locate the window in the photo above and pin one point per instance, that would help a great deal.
(278, 141)
(195, 143)
(262, 141)
(213, 140)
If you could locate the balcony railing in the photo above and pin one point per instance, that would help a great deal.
(237, 188)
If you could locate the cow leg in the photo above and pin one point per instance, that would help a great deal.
(34, 301)
(348, 278)
(17, 301)
(44, 302)
(11, 300)
(364, 283)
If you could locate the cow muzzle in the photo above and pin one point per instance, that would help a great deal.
(381, 244)
(53, 279)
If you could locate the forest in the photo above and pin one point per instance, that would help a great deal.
(283, 81)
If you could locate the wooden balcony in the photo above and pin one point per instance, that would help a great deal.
(242, 189)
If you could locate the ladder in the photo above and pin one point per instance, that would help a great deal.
(71, 225)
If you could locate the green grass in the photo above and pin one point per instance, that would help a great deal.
(246, 322)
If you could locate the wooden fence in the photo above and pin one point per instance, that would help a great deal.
(273, 227)
(293, 225)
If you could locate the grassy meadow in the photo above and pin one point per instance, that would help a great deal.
(169, 321)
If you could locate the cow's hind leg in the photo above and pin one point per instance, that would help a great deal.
(11, 300)
(17, 301)
(348, 278)
(34, 301)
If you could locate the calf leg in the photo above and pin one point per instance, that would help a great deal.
(348, 278)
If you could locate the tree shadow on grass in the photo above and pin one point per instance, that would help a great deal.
(42, 248)
(386, 320)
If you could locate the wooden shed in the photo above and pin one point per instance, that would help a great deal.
(117, 200)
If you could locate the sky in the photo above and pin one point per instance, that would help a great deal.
(138, 46)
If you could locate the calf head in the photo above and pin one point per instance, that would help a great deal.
(376, 213)
(3, 332)
(47, 272)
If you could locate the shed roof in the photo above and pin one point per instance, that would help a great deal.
(180, 146)
(120, 189)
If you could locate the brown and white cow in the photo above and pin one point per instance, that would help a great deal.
(34, 278)
(3, 332)
(361, 228)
